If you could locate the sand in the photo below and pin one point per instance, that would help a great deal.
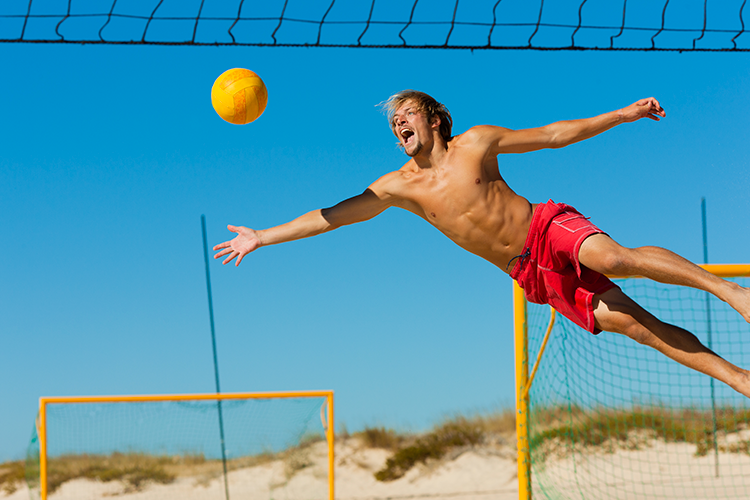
(478, 473)
(669, 471)
(471, 474)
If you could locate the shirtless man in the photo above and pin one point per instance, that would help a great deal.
(554, 253)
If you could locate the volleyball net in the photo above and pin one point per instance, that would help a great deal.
(606, 417)
(211, 446)
(664, 25)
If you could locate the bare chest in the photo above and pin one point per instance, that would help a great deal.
(454, 191)
(446, 197)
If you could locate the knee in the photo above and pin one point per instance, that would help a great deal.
(629, 325)
(637, 331)
(618, 262)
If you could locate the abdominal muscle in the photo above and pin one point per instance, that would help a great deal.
(493, 226)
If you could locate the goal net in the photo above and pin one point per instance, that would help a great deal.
(610, 418)
(261, 445)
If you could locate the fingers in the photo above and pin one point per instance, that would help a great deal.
(231, 256)
(239, 256)
(226, 248)
(222, 253)
(222, 245)
(649, 108)
(655, 107)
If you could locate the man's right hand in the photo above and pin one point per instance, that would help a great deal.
(245, 242)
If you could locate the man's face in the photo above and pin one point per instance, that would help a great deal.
(411, 128)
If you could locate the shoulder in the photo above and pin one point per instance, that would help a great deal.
(484, 133)
(480, 136)
(480, 139)
(401, 188)
(393, 183)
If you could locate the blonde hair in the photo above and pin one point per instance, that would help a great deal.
(425, 104)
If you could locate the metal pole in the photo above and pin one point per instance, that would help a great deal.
(522, 397)
(216, 359)
(708, 327)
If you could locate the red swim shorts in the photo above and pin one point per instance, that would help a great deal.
(549, 271)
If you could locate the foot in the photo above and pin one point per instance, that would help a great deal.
(739, 299)
(741, 383)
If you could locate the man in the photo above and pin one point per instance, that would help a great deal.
(554, 253)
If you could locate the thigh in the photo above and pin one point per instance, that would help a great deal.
(616, 312)
(600, 253)
(563, 239)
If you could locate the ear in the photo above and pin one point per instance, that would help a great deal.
(435, 122)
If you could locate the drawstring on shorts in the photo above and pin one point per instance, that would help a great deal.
(523, 258)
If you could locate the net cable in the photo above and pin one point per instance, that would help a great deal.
(460, 24)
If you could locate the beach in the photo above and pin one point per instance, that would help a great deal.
(484, 472)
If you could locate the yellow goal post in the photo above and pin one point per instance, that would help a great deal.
(524, 373)
(326, 414)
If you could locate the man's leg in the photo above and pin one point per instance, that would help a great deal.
(602, 254)
(616, 312)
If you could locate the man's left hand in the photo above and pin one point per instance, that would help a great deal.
(645, 108)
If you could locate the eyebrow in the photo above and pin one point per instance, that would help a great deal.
(395, 113)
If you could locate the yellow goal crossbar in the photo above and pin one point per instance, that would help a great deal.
(327, 419)
(523, 381)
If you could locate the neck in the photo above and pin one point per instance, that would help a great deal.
(432, 155)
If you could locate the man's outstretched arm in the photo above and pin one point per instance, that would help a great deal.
(356, 209)
(564, 133)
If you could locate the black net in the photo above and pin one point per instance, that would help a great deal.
(661, 25)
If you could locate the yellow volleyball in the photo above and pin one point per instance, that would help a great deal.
(239, 96)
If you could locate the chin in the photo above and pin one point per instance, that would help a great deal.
(413, 152)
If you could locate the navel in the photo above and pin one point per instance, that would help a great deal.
(477, 181)
(433, 214)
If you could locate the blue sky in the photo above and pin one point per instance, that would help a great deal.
(110, 154)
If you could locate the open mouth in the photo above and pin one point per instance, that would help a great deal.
(406, 135)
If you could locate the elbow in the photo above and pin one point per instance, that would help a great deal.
(331, 220)
(560, 140)
(555, 143)
(554, 137)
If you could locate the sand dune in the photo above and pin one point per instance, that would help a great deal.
(472, 474)
(477, 473)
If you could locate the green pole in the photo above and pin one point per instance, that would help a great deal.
(708, 328)
(216, 359)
